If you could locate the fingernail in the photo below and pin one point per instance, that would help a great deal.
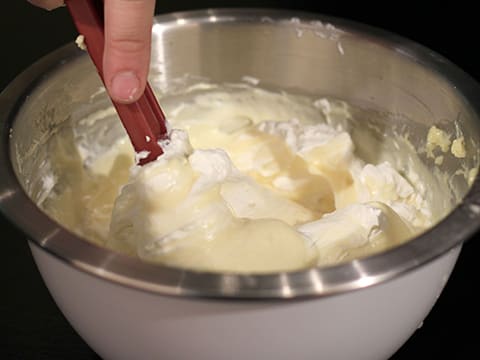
(125, 86)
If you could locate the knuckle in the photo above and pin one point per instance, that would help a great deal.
(128, 45)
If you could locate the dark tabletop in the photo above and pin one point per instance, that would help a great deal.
(32, 327)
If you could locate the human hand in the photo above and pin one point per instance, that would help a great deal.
(47, 4)
(126, 58)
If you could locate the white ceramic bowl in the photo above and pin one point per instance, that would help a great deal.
(363, 309)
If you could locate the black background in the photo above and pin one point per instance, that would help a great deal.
(31, 326)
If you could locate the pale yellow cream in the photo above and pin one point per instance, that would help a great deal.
(251, 181)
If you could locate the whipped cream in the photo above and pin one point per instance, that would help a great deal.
(284, 178)
(185, 210)
(252, 181)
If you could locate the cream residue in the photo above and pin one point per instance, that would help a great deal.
(256, 181)
(443, 149)
(437, 138)
(458, 148)
(80, 41)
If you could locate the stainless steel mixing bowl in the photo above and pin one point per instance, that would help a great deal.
(363, 309)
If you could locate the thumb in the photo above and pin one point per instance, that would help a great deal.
(128, 27)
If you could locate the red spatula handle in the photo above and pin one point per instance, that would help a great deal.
(143, 120)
